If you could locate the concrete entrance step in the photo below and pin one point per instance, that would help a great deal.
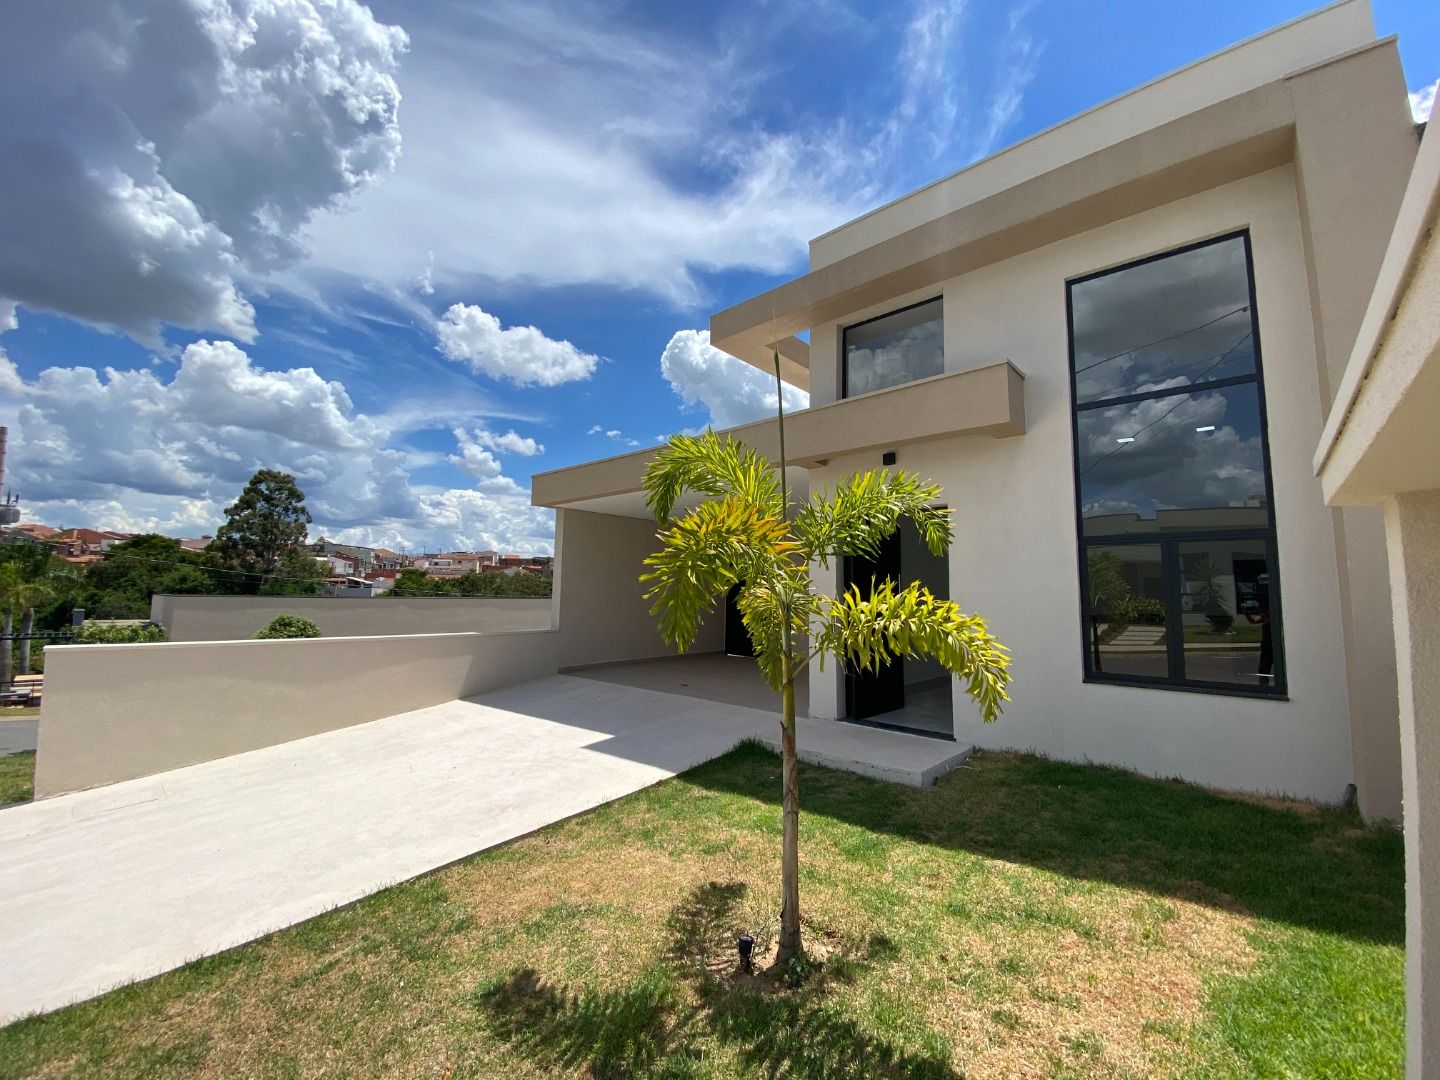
(885, 755)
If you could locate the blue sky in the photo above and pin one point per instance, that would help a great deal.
(415, 252)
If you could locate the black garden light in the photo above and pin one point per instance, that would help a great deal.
(745, 945)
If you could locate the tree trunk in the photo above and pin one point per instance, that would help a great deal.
(790, 945)
(7, 652)
(27, 625)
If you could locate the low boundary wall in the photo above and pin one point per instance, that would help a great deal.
(231, 618)
(118, 712)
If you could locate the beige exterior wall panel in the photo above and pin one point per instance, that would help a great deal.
(603, 615)
(1015, 561)
(117, 712)
(231, 618)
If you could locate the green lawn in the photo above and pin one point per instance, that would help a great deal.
(1022, 918)
(17, 777)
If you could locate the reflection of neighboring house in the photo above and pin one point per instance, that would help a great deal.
(1117, 338)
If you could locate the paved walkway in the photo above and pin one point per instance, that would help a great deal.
(104, 887)
(17, 734)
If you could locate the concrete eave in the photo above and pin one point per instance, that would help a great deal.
(987, 400)
(1245, 134)
(1380, 437)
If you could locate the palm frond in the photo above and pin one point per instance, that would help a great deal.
(711, 465)
(869, 632)
(765, 603)
(866, 508)
(703, 554)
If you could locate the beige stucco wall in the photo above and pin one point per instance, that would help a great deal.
(228, 618)
(1015, 560)
(116, 712)
(603, 617)
(1413, 528)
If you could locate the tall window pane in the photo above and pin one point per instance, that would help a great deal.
(1228, 614)
(1182, 461)
(1170, 451)
(894, 349)
(1126, 610)
(1176, 321)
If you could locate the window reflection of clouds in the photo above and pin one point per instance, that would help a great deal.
(894, 349)
(1170, 464)
(1174, 317)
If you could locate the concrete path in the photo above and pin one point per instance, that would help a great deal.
(104, 887)
(17, 734)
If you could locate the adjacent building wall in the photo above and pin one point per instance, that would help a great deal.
(117, 712)
(1014, 559)
(231, 618)
(603, 616)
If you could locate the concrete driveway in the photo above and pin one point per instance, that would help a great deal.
(104, 887)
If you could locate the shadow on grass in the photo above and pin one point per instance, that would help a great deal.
(652, 1024)
(1318, 867)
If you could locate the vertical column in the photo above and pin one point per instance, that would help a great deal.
(1413, 535)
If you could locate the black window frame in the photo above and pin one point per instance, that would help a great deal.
(845, 331)
(1170, 541)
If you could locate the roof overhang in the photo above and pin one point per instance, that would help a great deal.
(1242, 135)
(1382, 437)
(986, 401)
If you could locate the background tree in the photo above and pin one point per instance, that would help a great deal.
(267, 520)
(299, 573)
(119, 584)
(742, 535)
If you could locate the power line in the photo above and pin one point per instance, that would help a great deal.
(1184, 397)
(1161, 341)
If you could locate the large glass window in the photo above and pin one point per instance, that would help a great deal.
(897, 348)
(1177, 541)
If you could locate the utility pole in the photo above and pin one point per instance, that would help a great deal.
(10, 509)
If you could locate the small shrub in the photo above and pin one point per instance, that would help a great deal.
(120, 634)
(289, 626)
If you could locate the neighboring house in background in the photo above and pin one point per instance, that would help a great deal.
(1114, 346)
(196, 544)
(83, 546)
(1381, 448)
(37, 531)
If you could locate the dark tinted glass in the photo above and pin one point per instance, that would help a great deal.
(1125, 591)
(1225, 596)
(895, 349)
(1183, 461)
(1176, 321)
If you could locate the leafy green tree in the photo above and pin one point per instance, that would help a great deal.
(744, 534)
(413, 582)
(267, 520)
(298, 574)
(120, 584)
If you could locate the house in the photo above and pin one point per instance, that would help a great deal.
(1381, 448)
(36, 531)
(1114, 346)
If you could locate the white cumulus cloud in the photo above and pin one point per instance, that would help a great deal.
(522, 355)
(159, 151)
(730, 391)
(1422, 101)
(168, 449)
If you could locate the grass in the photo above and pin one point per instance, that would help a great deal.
(17, 777)
(1022, 918)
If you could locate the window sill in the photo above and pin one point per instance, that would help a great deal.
(1189, 688)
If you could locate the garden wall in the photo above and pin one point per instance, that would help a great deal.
(117, 712)
(230, 618)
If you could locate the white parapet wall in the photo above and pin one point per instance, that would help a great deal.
(118, 712)
(229, 618)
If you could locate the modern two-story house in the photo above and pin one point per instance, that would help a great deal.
(1114, 345)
